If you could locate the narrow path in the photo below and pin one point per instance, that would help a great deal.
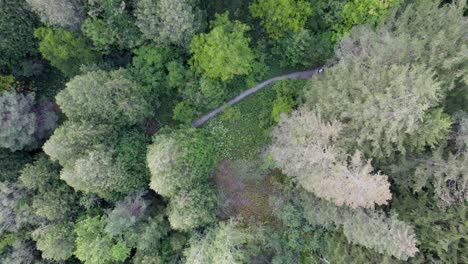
(244, 94)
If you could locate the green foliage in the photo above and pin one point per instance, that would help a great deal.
(52, 198)
(304, 49)
(338, 250)
(169, 21)
(6, 82)
(22, 251)
(110, 26)
(156, 244)
(447, 174)
(65, 50)
(213, 92)
(120, 251)
(153, 68)
(63, 13)
(11, 164)
(388, 108)
(224, 52)
(17, 25)
(441, 233)
(281, 16)
(244, 137)
(179, 159)
(371, 229)
(100, 33)
(95, 157)
(57, 242)
(93, 246)
(422, 34)
(98, 173)
(103, 97)
(18, 121)
(193, 208)
(126, 214)
(222, 244)
(432, 34)
(372, 12)
(287, 97)
(183, 112)
(72, 141)
(304, 147)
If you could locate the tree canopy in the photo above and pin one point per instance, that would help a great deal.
(224, 52)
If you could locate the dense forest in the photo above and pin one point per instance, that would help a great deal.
(357, 153)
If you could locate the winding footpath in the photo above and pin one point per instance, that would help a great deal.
(244, 94)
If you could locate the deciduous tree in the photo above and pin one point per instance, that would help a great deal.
(63, 13)
(224, 243)
(17, 25)
(169, 21)
(103, 97)
(65, 50)
(194, 207)
(281, 16)
(18, 121)
(180, 159)
(224, 52)
(56, 241)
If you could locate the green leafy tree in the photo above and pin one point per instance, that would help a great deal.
(193, 208)
(22, 251)
(103, 97)
(72, 141)
(65, 50)
(184, 112)
(126, 214)
(222, 244)
(52, 199)
(110, 26)
(224, 52)
(179, 159)
(304, 147)
(304, 49)
(150, 69)
(18, 122)
(63, 13)
(94, 246)
(99, 32)
(169, 21)
(17, 25)
(365, 12)
(98, 172)
(281, 16)
(56, 242)
(156, 244)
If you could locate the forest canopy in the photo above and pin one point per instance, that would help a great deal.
(257, 131)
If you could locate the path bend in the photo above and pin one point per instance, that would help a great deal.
(295, 75)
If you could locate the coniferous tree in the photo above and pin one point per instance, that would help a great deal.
(304, 147)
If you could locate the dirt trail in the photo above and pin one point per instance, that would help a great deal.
(244, 94)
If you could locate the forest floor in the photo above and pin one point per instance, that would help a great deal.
(295, 75)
